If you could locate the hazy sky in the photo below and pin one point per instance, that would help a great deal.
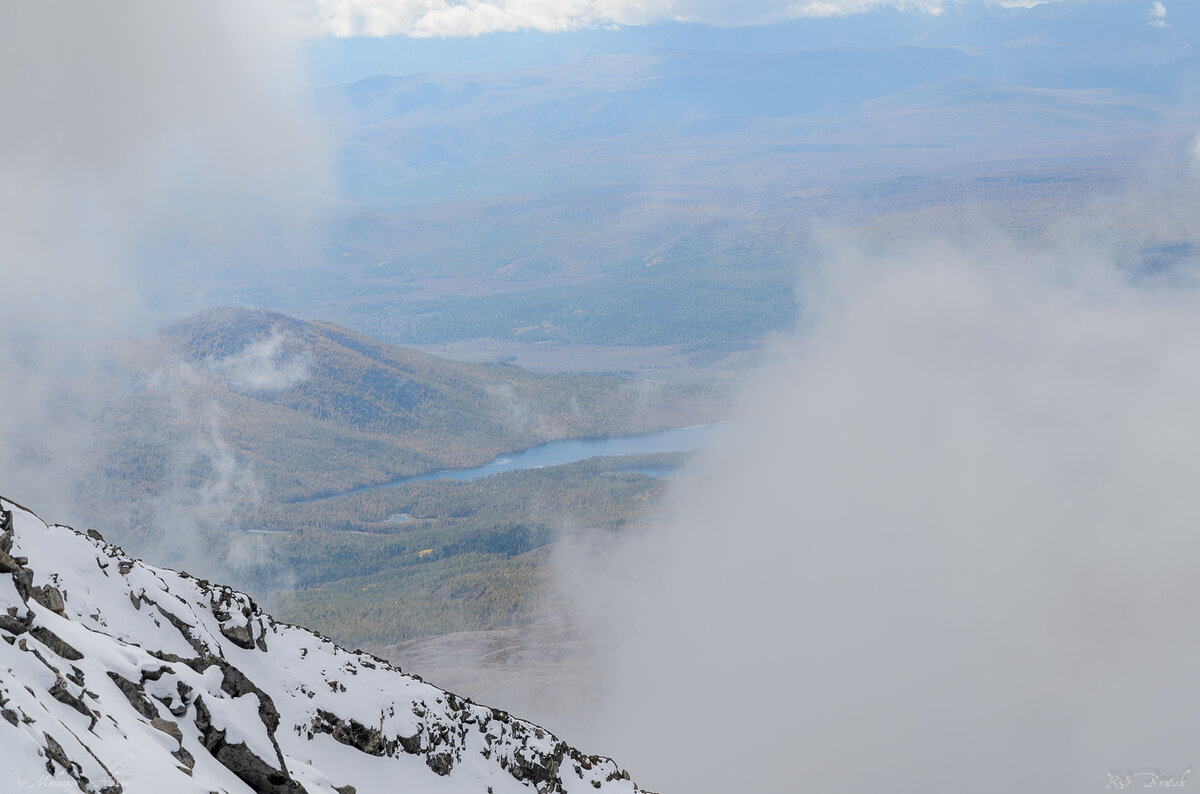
(452, 18)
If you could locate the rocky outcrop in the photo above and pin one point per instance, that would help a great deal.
(237, 757)
(117, 676)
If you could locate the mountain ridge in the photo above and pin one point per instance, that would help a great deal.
(120, 677)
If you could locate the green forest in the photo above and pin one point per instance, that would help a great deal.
(431, 557)
(197, 470)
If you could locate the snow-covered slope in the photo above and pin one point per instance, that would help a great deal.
(117, 676)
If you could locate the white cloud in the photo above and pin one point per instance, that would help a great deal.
(1158, 15)
(261, 366)
(816, 10)
(946, 546)
(455, 18)
(451, 18)
(431, 18)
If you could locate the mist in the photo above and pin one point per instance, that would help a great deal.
(126, 122)
(262, 366)
(947, 545)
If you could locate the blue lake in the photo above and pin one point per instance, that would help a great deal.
(555, 453)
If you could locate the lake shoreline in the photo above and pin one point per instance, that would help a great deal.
(557, 453)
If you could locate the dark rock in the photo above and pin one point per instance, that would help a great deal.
(354, 734)
(538, 768)
(373, 742)
(185, 695)
(411, 744)
(238, 759)
(8, 564)
(254, 771)
(184, 690)
(235, 684)
(241, 636)
(57, 755)
(184, 757)
(182, 626)
(13, 625)
(440, 763)
(154, 675)
(136, 697)
(6, 531)
(55, 643)
(345, 789)
(23, 580)
(168, 727)
(94, 535)
(50, 597)
(62, 694)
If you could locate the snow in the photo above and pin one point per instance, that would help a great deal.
(179, 641)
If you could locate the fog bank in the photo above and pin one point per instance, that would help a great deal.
(949, 545)
(124, 122)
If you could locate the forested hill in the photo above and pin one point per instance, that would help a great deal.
(329, 373)
(309, 408)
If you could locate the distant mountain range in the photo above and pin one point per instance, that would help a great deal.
(670, 183)
(1101, 38)
(715, 119)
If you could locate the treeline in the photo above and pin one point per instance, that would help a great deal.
(474, 555)
(468, 592)
(597, 492)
